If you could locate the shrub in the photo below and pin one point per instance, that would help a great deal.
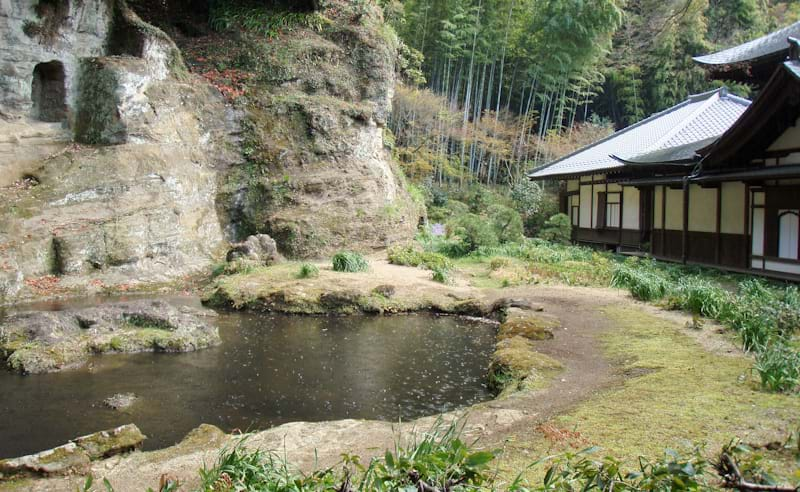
(557, 229)
(506, 222)
(308, 270)
(348, 261)
(407, 255)
(474, 232)
(778, 366)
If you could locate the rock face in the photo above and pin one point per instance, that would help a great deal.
(143, 210)
(120, 169)
(75, 456)
(318, 177)
(50, 341)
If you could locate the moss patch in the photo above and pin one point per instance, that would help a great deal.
(530, 327)
(517, 365)
(680, 394)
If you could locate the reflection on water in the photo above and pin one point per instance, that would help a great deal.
(269, 370)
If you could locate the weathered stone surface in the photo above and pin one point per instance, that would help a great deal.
(75, 456)
(318, 177)
(63, 460)
(260, 249)
(104, 444)
(38, 342)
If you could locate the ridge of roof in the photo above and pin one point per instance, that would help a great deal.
(755, 49)
(689, 100)
(708, 99)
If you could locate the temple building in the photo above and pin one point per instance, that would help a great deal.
(714, 180)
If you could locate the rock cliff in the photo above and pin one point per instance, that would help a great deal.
(119, 167)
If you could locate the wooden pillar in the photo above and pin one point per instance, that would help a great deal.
(663, 219)
(621, 212)
(748, 231)
(685, 235)
(718, 235)
(591, 204)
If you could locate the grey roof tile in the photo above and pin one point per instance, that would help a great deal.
(697, 119)
(770, 44)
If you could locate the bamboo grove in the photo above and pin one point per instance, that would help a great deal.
(494, 88)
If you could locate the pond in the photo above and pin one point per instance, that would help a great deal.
(270, 369)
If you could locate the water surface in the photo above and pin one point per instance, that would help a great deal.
(270, 369)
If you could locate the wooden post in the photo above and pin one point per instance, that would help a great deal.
(718, 235)
(685, 235)
(748, 240)
(663, 219)
(621, 214)
(591, 204)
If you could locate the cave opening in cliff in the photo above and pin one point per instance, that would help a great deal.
(49, 92)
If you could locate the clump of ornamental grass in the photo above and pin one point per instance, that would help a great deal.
(308, 270)
(349, 261)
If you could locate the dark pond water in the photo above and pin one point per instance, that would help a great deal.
(269, 370)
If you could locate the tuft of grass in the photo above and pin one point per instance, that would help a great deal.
(349, 261)
(441, 275)
(778, 367)
(308, 270)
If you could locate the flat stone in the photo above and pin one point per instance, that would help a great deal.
(104, 444)
(63, 460)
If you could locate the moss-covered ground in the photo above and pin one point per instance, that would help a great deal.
(676, 393)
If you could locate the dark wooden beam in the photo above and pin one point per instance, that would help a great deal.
(718, 235)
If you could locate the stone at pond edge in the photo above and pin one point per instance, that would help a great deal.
(531, 327)
(38, 342)
(111, 442)
(75, 456)
(69, 458)
(260, 249)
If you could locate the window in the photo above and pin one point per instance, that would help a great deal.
(788, 234)
(608, 209)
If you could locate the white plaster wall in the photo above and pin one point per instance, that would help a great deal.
(573, 185)
(702, 209)
(674, 210)
(790, 139)
(733, 214)
(630, 208)
(586, 213)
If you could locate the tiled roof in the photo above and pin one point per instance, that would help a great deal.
(771, 44)
(699, 118)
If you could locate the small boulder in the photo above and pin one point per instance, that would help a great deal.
(385, 290)
(120, 401)
(260, 249)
